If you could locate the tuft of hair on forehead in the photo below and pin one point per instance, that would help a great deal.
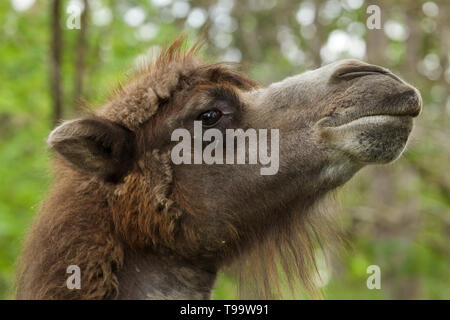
(176, 52)
(157, 80)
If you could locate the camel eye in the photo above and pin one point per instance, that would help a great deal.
(210, 117)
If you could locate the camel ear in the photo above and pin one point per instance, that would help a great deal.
(94, 145)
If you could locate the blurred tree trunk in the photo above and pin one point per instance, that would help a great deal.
(444, 35)
(55, 60)
(317, 41)
(376, 40)
(81, 56)
(246, 40)
(412, 45)
(381, 187)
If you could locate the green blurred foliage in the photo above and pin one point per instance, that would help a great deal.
(396, 216)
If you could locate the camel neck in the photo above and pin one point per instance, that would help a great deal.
(149, 276)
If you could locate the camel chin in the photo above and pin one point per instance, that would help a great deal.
(372, 139)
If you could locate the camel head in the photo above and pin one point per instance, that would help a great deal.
(319, 129)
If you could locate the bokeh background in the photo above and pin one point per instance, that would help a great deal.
(395, 216)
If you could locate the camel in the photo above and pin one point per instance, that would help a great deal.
(139, 226)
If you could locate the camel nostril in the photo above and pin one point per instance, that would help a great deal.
(352, 72)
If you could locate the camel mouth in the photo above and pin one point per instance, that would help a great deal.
(371, 139)
(374, 132)
(401, 106)
(379, 119)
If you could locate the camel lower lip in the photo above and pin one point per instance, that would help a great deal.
(374, 119)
